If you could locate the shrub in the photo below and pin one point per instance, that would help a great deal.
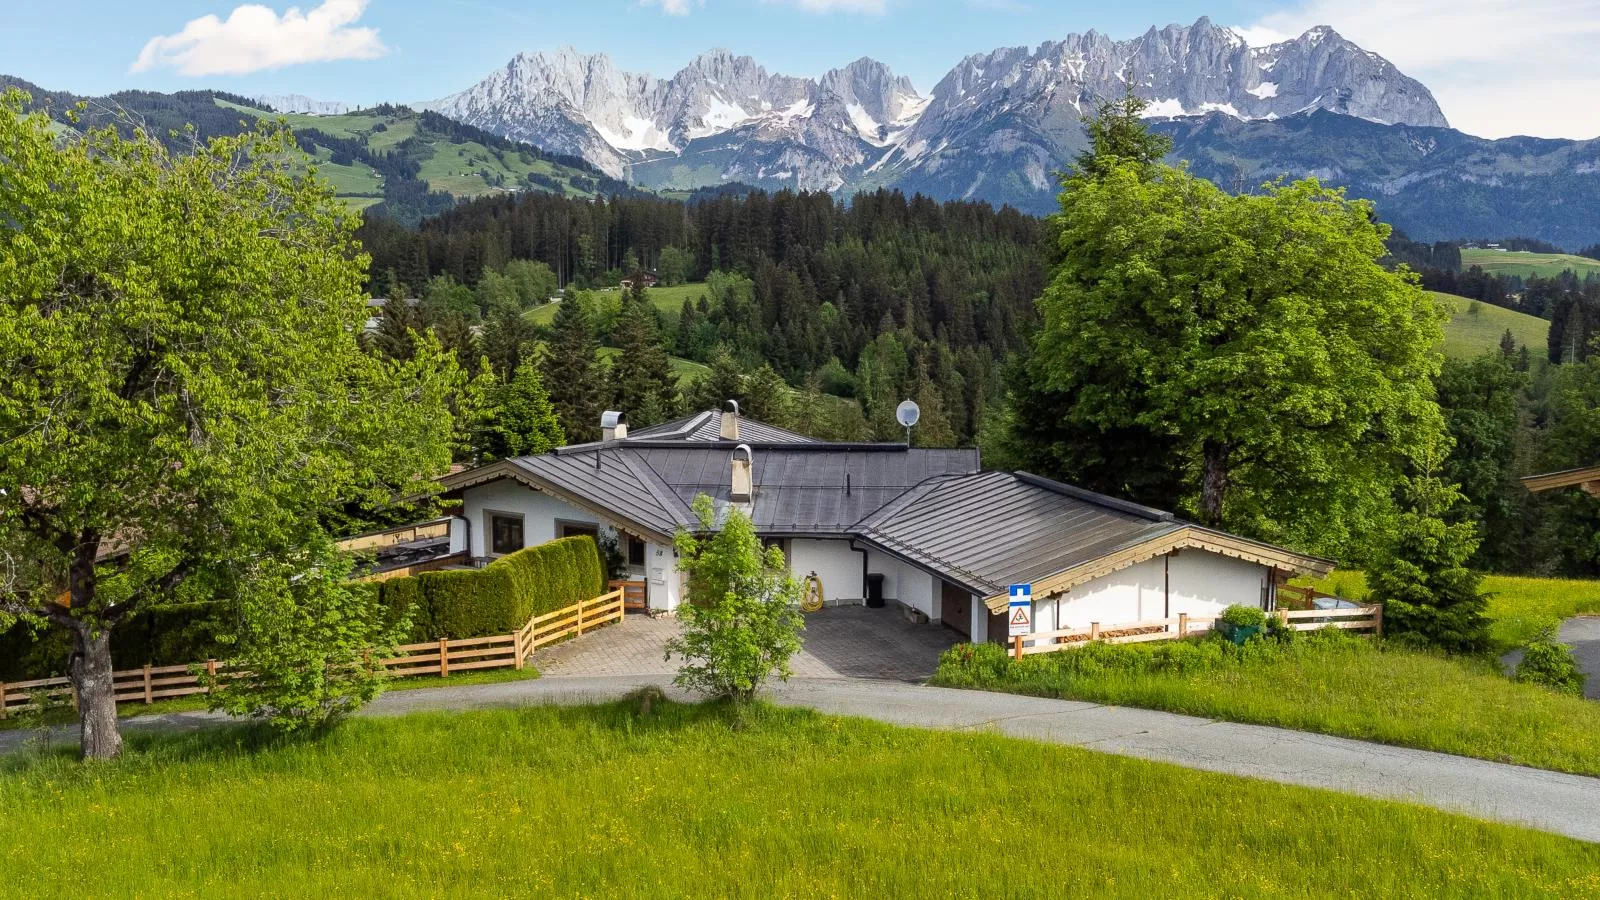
(502, 596)
(742, 622)
(1549, 662)
(1244, 617)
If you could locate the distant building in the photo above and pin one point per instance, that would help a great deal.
(643, 276)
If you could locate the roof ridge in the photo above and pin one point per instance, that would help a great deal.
(652, 482)
(908, 496)
(1116, 503)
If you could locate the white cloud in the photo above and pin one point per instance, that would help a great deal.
(254, 38)
(871, 7)
(1497, 67)
(672, 7)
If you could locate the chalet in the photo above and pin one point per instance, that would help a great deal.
(877, 523)
(643, 277)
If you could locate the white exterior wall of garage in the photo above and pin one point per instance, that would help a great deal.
(1201, 583)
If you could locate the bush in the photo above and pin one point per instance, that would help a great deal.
(502, 596)
(1244, 617)
(1549, 662)
(168, 635)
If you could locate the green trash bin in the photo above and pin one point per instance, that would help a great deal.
(1237, 633)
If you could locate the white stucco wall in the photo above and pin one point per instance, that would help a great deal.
(907, 584)
(839, 567)
(539, 512)
(1202, 584)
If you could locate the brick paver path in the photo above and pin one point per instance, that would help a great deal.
(841, 642)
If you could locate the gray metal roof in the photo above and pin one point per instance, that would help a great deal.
(997, 528)
(707, 426)
(815, 488)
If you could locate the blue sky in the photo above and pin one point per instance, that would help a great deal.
(1497, 67)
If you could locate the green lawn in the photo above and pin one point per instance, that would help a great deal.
(1470, 333)
(602, 802)
(686, 370)
(1546, 265)
(1352, 688)
(667, 299)
(1518, 607)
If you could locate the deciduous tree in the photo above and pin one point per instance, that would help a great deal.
(742, 622)
(182, 387)
(1253, 339)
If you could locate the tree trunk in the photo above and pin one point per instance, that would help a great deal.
(1213, 482)
(90, 670)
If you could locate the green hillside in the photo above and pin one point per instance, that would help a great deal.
(1476, 328)
(359, 150)
(667, 299)
(1545, 265)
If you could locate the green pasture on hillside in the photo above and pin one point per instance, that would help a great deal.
(686, 802)
(1476, 328)
(1545, 265)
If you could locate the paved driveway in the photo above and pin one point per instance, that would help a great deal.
(841, 642)
(1583, 634)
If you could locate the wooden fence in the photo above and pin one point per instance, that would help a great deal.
(440, 658)
(1364, 618)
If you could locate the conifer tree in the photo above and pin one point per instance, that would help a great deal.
(572, 374)
(521, 420)
(642, 384)
(766, 397)
(1429, 594)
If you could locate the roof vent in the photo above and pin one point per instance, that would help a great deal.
(743, 485)
(730, 422)
(613, 425)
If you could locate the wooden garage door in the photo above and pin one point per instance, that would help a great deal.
(955, 608)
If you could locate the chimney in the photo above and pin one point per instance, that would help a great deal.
(730, 422)
(743, 486)
(613, 425)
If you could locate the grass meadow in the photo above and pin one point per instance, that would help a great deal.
(1350, 688)
(1545, 265)
(1476, 328)
(686, 801)
(1519, 607)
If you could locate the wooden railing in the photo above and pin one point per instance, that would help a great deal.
(1366, 618)
(574, 620)
(440, 658)
(143, 685)
(635, 594)
(405, 534)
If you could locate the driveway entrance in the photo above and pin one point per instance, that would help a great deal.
(840, 642)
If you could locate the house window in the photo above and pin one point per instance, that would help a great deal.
(505, 534)
(576, 529)
(635, 552)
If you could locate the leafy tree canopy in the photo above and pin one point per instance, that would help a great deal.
(182, 388)
(1249, 345)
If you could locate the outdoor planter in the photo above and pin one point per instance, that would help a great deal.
(1237, 633)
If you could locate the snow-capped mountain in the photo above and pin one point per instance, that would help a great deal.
(809, 131)
(1015, 114)
(996, 127)
(300, 103)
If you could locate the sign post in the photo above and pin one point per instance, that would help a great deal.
(1020, 614)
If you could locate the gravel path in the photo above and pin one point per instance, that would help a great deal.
(1564, 804)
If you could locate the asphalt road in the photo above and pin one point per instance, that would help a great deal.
(1551, 801)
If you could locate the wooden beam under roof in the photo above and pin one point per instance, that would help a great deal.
(1587, 478)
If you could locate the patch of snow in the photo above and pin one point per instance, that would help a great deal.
(1220, 107)
(719, 117)
(638, 133)
(1264, 90)
(1162, 109)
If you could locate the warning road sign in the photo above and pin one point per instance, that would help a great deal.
(1021, 609)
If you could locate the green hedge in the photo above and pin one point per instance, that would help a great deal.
(502, 596)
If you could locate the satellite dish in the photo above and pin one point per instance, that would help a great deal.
(907, 413)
